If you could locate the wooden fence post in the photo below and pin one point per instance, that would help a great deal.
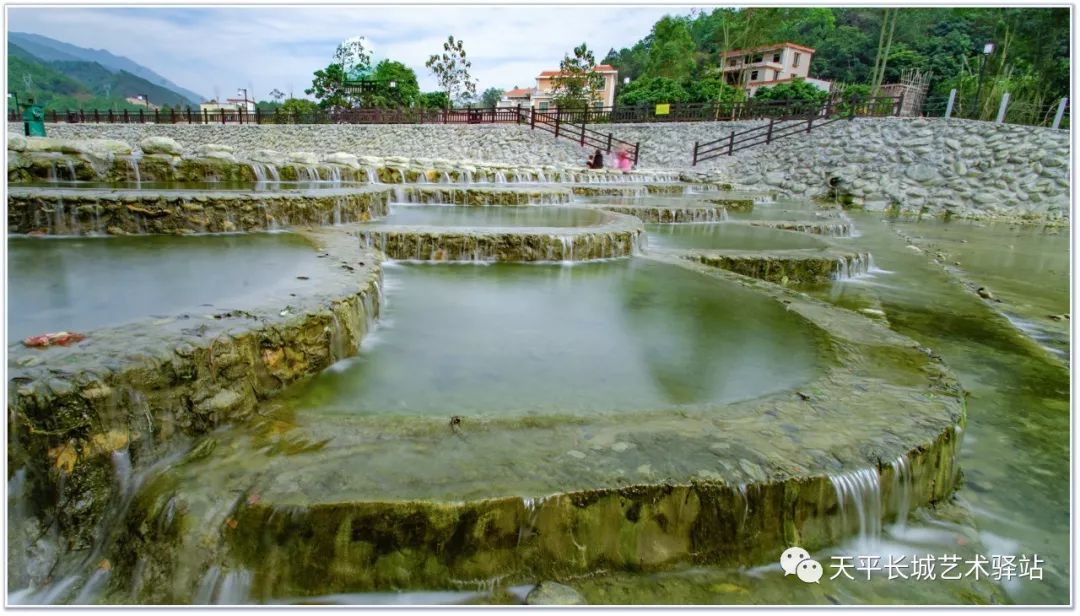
(558, 117)
(768, 135)
(532, 118)
(519, 113)
(637, 152)
(694, 164)
(583, 133)
(1060, 113)
(608, 150)
(809, 123)
(258, 116)
(731, 144)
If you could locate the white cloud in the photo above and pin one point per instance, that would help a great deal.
(208, 49)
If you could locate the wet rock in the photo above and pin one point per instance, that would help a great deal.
(304, 158)
(984, 293)
(16, 143)
(552, 593)
(161, 145)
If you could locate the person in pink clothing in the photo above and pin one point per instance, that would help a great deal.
(622, 160)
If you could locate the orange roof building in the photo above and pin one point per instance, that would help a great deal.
(541, 97)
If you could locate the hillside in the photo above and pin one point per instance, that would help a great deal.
(66, 84)
(52, 50)
(1030, 60)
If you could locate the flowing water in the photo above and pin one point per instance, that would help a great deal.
(85, 283)
(728, 237)
(511, 341)
(505, 216)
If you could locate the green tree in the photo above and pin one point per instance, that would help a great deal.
(328, 88)
(404, 93)
(712, 90)
(491, 97)
(671, 52)
(796, 90)
(652, 91)
(351, 60)
(577, 84)
(451, 69)
(434, 100)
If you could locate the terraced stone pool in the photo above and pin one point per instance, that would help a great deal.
(647, 426)
(78, 284)
(729, 237)
(513, 339)
(504, 216)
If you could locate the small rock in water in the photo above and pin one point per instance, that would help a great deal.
(551, 593)
(873, 312)
(574, 453)
(621, 446)
(985, 293)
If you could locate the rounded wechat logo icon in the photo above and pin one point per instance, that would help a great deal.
(796, 561)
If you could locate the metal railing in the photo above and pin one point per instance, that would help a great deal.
(780, 127)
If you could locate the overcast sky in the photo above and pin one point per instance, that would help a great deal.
(216, 50)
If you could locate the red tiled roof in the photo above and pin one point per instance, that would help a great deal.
(599, 68)
(518, 92)
(736, 52)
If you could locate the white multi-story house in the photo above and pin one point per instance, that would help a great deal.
(770, 65)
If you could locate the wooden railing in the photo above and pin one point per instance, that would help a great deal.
(676, 112)
(778, 128)
(554, 123)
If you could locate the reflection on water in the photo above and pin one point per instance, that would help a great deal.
(85, 283)
(622, 335)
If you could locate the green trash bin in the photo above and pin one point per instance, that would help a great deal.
(34, 121)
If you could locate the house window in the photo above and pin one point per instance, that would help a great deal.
(795, 60)
(732, 61)
(753, 76)
(776, 56)
(543, 106)
(759, 58)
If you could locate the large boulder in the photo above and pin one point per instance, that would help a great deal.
(343, 158)
(16, 143)
(161, 145)
(214, 150)
(551, 593)
(304, 158)
(272, 157)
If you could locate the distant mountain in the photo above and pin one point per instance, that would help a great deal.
(52, 50)
(69, 84)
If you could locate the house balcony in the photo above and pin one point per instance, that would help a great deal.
(754, 65)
